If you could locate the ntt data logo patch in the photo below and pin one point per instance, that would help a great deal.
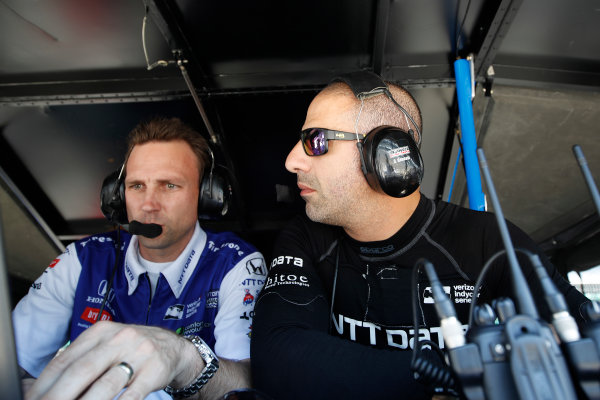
(288, 260)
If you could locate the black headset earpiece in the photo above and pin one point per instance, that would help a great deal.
(215, 193)
(392, 161)
(213, 200)
(112, 198)
(389, 156)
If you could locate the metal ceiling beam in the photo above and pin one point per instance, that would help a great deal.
(169, 22)
(90, 87)
(546, 78)
(447, 152)
(422, 76)
(12, 170)
(505, 14)
(162, 84)
(35, 217)
(381, 28)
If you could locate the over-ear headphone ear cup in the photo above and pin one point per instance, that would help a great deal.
(112, 200)
(393, 161)
(215, 194)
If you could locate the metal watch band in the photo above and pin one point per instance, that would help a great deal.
(212, 365)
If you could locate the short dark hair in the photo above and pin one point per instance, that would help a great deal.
(167, 130)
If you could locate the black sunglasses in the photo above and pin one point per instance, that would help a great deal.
(316, 140)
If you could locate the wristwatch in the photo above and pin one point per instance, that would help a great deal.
(212, 365)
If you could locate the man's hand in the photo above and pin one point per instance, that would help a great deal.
(88, 368)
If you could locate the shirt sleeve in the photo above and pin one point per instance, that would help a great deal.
(41, 319)
(293, 354)
(238, 293)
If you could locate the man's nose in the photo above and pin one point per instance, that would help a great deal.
(151, 200)
(297, 160)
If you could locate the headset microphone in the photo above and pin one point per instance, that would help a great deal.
(148, 230)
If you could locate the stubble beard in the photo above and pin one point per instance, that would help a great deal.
(341, 205)
(159, 242)
(163, 241)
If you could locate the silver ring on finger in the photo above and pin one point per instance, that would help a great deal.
(128, 370)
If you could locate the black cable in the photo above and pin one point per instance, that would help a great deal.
(415, 298)
(484, 270)
(389, 95)
(337, 264)
(424, 370)
(482, 274)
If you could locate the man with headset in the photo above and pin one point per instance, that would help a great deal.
(146, 311)
(334, 319)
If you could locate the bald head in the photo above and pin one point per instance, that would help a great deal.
(378, 110)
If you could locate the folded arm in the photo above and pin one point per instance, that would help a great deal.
(293, 357)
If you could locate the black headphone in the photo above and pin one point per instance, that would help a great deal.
(213, 199)
(389, 156)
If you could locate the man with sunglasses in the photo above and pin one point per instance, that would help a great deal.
(334, 319)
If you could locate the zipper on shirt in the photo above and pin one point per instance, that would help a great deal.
(149, 297)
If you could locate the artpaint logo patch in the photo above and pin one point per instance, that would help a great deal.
(53, 264)
(91, 315)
